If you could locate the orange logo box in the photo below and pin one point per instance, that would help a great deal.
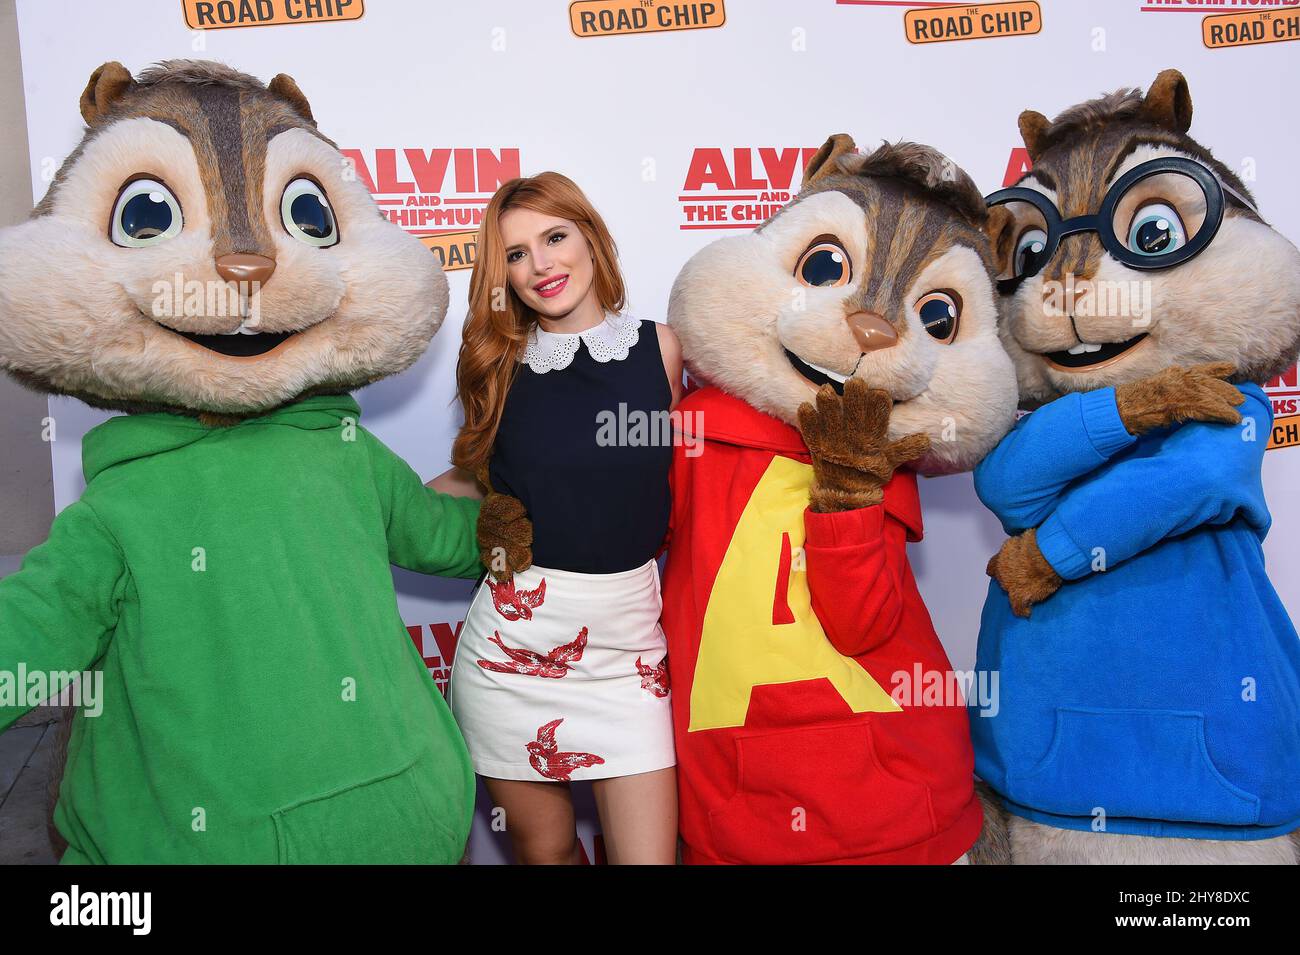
(454, 250)
(224, 14)
(977, 22)
(1248, 29)
(1285, 433)
(588, 18)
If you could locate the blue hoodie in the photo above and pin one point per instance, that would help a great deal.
(1158, 691)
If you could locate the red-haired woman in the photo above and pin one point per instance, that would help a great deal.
(560, 673)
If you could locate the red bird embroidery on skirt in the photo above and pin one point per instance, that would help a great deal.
(655, 678)
(545, 757)
(516, 604)
(551, 665)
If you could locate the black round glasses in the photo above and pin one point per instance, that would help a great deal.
(1159, 214)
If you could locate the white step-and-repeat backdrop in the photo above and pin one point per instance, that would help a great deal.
(665, 112)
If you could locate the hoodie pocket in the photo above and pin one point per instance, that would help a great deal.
(392, 818)
(1135, 763)
(817, 795)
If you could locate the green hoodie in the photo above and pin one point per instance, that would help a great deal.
(261, 699)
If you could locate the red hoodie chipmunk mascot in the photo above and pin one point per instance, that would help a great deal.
(789, 605)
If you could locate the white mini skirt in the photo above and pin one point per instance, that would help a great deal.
(561, 675)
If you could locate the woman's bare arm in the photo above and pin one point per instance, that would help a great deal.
(671, 351)
(457, 482)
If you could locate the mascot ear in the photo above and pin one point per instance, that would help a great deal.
(1000, 227)
(1033, 130)
(106, 86)
(825, 161)
(1169, 103)
(283, 86)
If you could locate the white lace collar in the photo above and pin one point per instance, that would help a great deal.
(609, 341)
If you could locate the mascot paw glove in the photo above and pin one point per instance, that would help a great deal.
(1175, 394)
(848, 438)
(1024, 572)
(505, 536)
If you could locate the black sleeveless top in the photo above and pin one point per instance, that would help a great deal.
(587, 448)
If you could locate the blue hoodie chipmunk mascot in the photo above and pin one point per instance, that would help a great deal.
(1150, 675)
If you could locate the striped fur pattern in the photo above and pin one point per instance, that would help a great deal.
(916, 213)
(1238, 300)
(81, 315)
(909, 222)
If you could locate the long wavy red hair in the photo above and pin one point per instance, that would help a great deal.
(498, 322)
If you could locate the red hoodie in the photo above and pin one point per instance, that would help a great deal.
(785, 632)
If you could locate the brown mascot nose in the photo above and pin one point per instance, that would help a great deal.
(245, 267)
(872, 331)
(1073, 294)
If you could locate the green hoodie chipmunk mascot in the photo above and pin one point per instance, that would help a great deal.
(203, 262)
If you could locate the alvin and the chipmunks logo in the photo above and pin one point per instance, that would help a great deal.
(1236, 23)
(740, 187)
(436, 643)
(938, 22)
(1284, 394)
(437, 195)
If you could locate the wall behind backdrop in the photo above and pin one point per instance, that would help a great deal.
(681, 136)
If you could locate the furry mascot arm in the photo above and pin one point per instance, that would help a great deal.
(853, 576)
(679, 483)
(428, 532)
(1022, 478)
(59, 612)
(1204, 473)
(852, 546)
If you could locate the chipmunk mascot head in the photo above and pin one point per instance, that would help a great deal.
(847, 343)
(203, 250)
(204, 262)
(891, 288)
(1150, 676)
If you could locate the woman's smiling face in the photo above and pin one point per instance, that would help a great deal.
(548, 260)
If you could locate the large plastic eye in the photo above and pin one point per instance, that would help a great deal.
(825, 264)
(145, 213)
(1030, 230)
(307, 215)
(1156, 230)
(940, 312)
(1029, 256)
